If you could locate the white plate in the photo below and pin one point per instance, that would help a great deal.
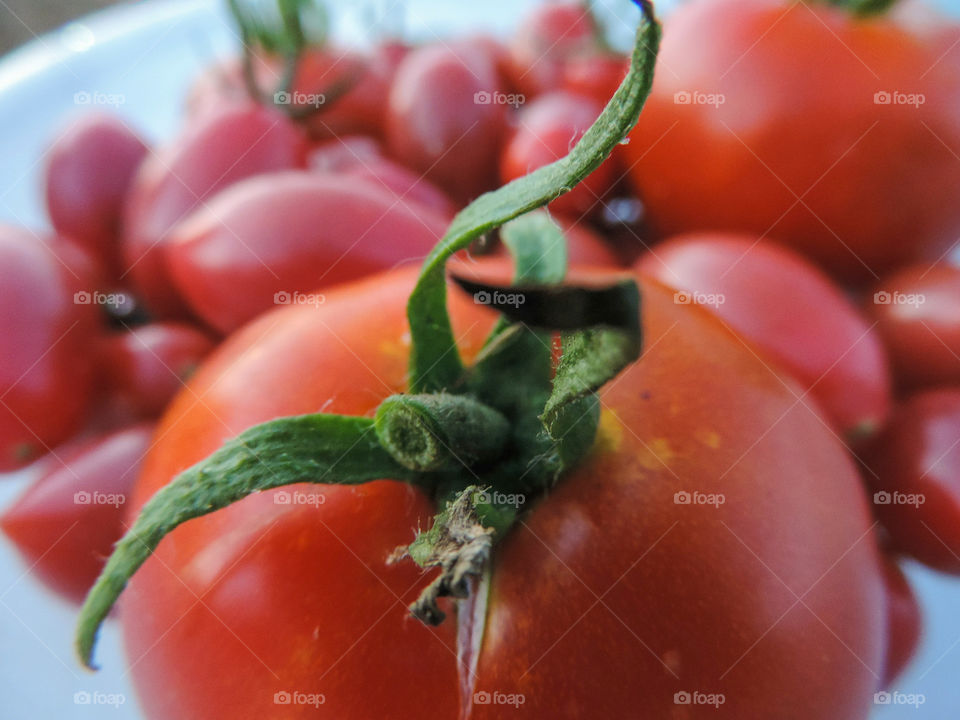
(141, 58)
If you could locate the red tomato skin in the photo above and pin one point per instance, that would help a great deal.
(905, 622)
(545, 40)
(916, 311)
(221, 148)
(437, 123)
(919, 455)
(409, 187)
(788, 309)
(801, 149)
(143, 368)
(344, 153)
(290, 233)
(546, 130)
(595, 75)
(48, 328)
(60, 526)
(89, 169)
(294, 588)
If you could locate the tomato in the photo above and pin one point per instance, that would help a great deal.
(344, 153)
(546, 39)
(916, 478)
(321, 74)
(585, 247)
(218, 150)
(800, 122)
(48, 323)
(916, 311)
(446, 116)
(904, 623)
(66, 522)
(145, 367)
(89, 168)
(791, 312)
(547, 128)
(595, 75)
(611, 579)
(275, 238)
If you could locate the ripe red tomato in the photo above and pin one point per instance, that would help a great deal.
(799, 121)
(273, 239)
(146, 366)
(917, 312)
(218, 150)
(546, 39)
(89, 168)
(613, 577)
(48, 323)
(904, 622)
(66, 522)
(446, 116)
(546, 130)
(917, 478)
(344, 153)
(790, 311)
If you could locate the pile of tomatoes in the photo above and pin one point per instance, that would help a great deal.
(789, 201)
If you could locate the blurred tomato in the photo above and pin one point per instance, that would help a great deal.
(216, 151)
(48, 325)
(66, 522)
(904, 622)
(835, 134)
(917, 312)
(89, 169)
(787, 308)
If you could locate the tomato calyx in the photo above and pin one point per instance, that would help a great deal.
(510, 423)
(286, 31)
